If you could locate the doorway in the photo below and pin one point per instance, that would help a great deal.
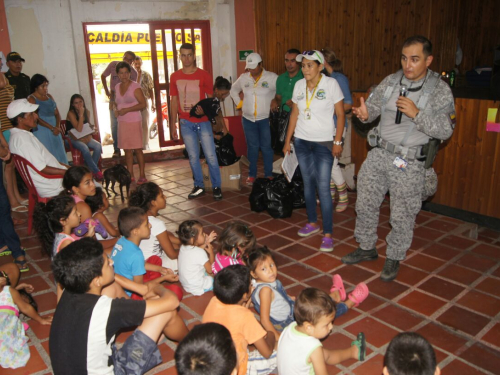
(107, 42)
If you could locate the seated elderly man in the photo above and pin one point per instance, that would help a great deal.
(23, 143)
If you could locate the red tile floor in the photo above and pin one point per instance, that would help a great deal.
(448, 288)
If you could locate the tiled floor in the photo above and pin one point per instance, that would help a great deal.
(448, 288)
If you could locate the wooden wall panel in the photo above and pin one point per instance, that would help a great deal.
(468, 164)
(479, 32)
(367, 35)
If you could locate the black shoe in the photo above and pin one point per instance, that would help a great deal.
(116, 154)
(390, 271)
(217, 194)
(196, 192)
(360, 255)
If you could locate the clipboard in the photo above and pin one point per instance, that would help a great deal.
(290, 164)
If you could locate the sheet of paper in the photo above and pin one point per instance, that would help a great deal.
(86, 130)
(290, 164)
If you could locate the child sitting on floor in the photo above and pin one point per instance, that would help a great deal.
(208, 349)
(161, 243)
(99, 203)
(128, 258)
(78, 182)
(14, 350)
(300, 351)
(229, 307)
(85, 322)
(54, 223)
(273, 303)
(196, 257)
(236, 239)
(410, 354)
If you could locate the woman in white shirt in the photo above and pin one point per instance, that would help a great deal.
(259, 89)
(315, 99)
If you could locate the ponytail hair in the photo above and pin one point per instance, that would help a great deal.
(222, 83)
(332, 60)
(236, 235)
(144, 195)
(188, 230)
(47, 219)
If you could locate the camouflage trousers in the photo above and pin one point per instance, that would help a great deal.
(377, 176)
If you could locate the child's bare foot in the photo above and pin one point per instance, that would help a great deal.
(335, 295)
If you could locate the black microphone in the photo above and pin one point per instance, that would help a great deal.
(403, 91)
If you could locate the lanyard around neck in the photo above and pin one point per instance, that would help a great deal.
(255, 93)
(308, 102)
(258, 78)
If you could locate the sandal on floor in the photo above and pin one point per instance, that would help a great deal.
(25, 202)
(23, 265)
(338, 285)
(5, 252)
(359, 294)
(142, 181)
(360, 342)
(20, 208)
(326, 244)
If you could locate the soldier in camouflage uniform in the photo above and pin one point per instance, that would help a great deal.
(396, 163)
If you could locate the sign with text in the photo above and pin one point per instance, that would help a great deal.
(124, 37)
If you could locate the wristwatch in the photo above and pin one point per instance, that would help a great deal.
(337, 143)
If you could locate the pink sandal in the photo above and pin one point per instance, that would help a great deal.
(338, 285)
(359, 294)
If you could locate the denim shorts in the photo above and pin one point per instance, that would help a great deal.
(138, 355)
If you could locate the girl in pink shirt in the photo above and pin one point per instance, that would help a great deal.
(234, 241)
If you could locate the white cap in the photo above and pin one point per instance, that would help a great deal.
(311, 55)
(253, 60)
(20, 106)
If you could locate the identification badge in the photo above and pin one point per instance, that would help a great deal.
(400, 163)
(307, 113)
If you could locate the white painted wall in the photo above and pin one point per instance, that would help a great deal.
(49, 35)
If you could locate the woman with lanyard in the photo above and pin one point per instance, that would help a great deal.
(259, 89)
(333, 66)
(315, 99)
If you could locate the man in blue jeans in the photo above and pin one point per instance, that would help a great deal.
(9, 240)
(259, 89)
(187, 87)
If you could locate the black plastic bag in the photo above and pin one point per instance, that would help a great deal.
(279, 125)
(280, 196)
(226, 155)
(299, 200)
(258, 199)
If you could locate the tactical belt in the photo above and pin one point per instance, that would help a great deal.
(408, 153)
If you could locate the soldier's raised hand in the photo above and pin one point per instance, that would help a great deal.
(361, 112)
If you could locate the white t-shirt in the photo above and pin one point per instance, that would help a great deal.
(25, 144)
(263, 91)
(294, 351)
(320, 127)
(192, 274)
(151, 246)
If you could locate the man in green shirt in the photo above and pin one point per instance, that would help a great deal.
(17, 79)
(286, 81)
